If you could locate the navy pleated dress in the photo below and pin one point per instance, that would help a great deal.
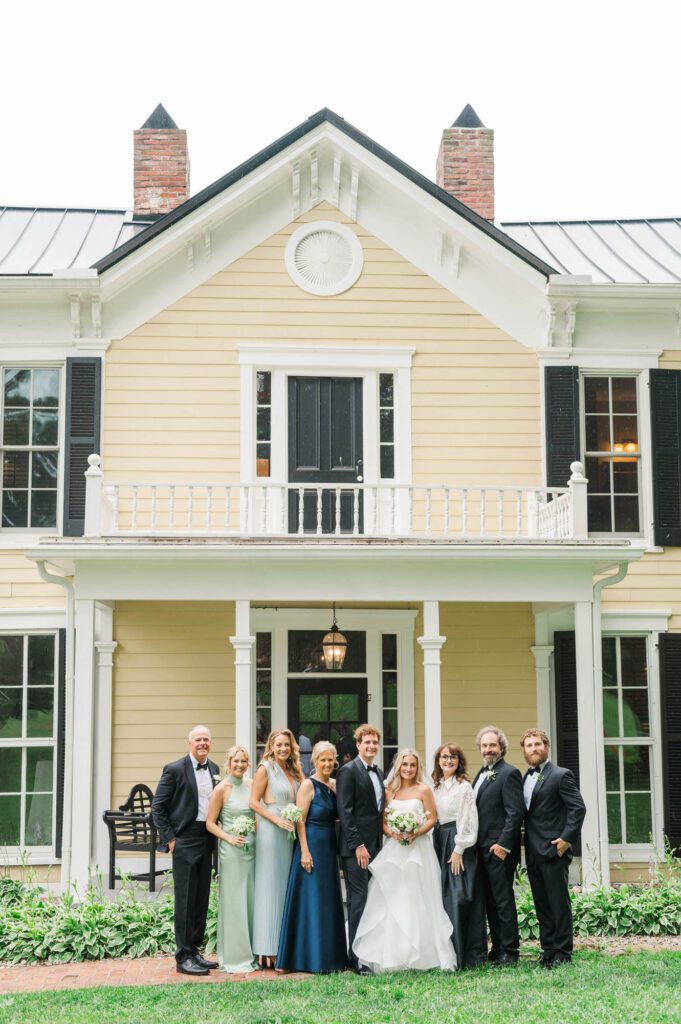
(312, 935)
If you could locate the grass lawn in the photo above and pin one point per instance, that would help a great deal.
(595, 989)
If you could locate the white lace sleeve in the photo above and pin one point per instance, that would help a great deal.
(467, 820)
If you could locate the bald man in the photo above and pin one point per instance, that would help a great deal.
(179, 811)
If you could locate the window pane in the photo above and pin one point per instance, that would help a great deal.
(389, 728)
(11, 660)
(385, 389)
(10, 809)
(599, 514)
(389, 755)
(612, 769)
(39, 769)
(45, 426)
(636, 768)
(44, 508)
(387, 425)
(44, 469)
(16, 426)
(625, 431)
(389, 650)
(598, 475)
(390, 689)
(11, 701)
(313, 707)
(263, 423)
(633, 659)
(264, 387)
(17, 387)
(40, 711)
(625, 476)
(624, 394)
(626, 515)
(614, 818)
(596, 394)
(263, 688)
(387, 462)
(639, 817)
(263, 650)
(611, 717)
(635, 714)
(45, 387)
(597, 434)
(344, 707)
(15, 469)
(39, 820)
(15, 508)
(305, 650)
(10, 770)
(40, 660)
(609, 657)
(262, 459)
(263, 724)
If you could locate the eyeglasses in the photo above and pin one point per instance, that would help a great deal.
(448, 757)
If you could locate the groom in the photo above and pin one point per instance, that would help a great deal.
(361, 798)
(179, 809)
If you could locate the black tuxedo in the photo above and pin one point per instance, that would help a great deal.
(360, 825)
(556, 811)
(175, 807)
(500, 812)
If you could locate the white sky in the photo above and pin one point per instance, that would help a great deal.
(583, 96)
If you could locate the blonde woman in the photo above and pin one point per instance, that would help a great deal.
(404, 925)
(229, 808)
(313, 930)
(275, 785)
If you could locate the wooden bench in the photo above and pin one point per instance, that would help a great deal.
(132, 830)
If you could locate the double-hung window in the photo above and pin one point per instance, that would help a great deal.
(29, 443)
(611, 445)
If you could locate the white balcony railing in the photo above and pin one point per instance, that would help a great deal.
(384, 511)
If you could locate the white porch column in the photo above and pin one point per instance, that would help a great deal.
(542, 664)
(83, 716)
(431, 644)
(243, 643)
(595, 866)
(105, 647)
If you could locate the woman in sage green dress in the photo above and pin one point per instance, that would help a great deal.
(231, 800)
(275, 785)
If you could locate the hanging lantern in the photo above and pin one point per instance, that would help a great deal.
(334, 646)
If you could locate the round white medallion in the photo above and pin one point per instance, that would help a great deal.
(324, 258)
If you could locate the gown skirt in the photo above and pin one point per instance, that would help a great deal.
(404, 926)
(273, 854)
(313, 930)
(463, 898)
(236, 889)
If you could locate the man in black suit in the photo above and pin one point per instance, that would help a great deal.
(499, 797)
(179, 811)
(361, 798)
(554, 814)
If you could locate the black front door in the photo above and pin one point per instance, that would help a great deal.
(327, 709)
(325, 447)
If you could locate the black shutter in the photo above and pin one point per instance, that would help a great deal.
(561, 385)
(665, 409)
(567, 722)
(670, 685)
(61, 741)
(83, 394)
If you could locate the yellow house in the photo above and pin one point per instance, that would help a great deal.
(325, 390)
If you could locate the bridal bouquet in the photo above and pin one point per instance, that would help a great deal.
(293, 814)
(406, 822)
(242, 826)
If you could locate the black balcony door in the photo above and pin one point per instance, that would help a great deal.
(325, 447)
(327, 709)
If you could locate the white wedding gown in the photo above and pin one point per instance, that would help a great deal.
(404, 925)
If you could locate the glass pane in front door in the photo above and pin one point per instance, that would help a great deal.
(326, 709)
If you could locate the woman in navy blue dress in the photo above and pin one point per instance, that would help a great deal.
(313, 929)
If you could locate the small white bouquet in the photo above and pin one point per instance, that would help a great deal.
(243, 826)
(405, 822)
(291, 813)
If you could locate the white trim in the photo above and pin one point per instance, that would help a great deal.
(632, 620)
(342, 283)
(29, 620)
(348, 358)
(373, 622)
(596, 358)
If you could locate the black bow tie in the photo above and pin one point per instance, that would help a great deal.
(372, 768)
(202, 767)
(533, 771)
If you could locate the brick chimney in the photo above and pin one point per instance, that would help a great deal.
(161, 165)
(465, 163)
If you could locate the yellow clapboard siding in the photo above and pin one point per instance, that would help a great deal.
(21, 586)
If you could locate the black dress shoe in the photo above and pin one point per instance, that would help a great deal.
(506, 960)
(190, 966)
(558, 960)
(363, 970)
(210, 965)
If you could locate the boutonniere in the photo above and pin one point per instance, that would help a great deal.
(216, 778)
(540, 777)
(491, 775)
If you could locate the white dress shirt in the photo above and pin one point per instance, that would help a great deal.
(455, 801)
(204, 784)
(482, 778)
(375, 782)
(530, 782)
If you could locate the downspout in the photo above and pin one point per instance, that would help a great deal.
(599, 587)
(67, 814)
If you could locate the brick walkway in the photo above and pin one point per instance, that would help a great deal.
(148, 971)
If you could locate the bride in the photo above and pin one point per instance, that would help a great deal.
(404, 925)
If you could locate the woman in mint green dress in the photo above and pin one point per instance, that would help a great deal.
(275, 785)
(229, 802)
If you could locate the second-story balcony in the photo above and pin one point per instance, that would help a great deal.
(383, 511)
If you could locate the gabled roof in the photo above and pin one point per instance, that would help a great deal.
(313, 122)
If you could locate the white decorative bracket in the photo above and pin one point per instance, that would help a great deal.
(561, 318)
(207, 243)
(96, 314)
(354, 189)
(551, 324)
(314, 178)
(295, 188)
(335, 187)
(570, 320)
(75, 317)
(190, 255)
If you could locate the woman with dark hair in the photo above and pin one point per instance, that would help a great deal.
(454, 841)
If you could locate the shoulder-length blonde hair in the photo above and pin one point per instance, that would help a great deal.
(292, 761)
(229, 757)
(395, 779)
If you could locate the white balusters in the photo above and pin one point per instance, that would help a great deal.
(464, 511)
(337, 517)
(518, 513)
(301, 509)
(171, 512)
(446, 522)
(429, 503)
(228, 508)
(319, 511)
(209, 506)
(500, 532)
(483, 510)
(284, 509)
(133, 515)
(355, 511)
(190, 507)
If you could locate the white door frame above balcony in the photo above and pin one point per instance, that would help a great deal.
(285, 361)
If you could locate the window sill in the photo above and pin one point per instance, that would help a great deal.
(13, 857)
(16, 540)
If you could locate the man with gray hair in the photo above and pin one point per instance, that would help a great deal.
(498, 791)
(179, 811)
